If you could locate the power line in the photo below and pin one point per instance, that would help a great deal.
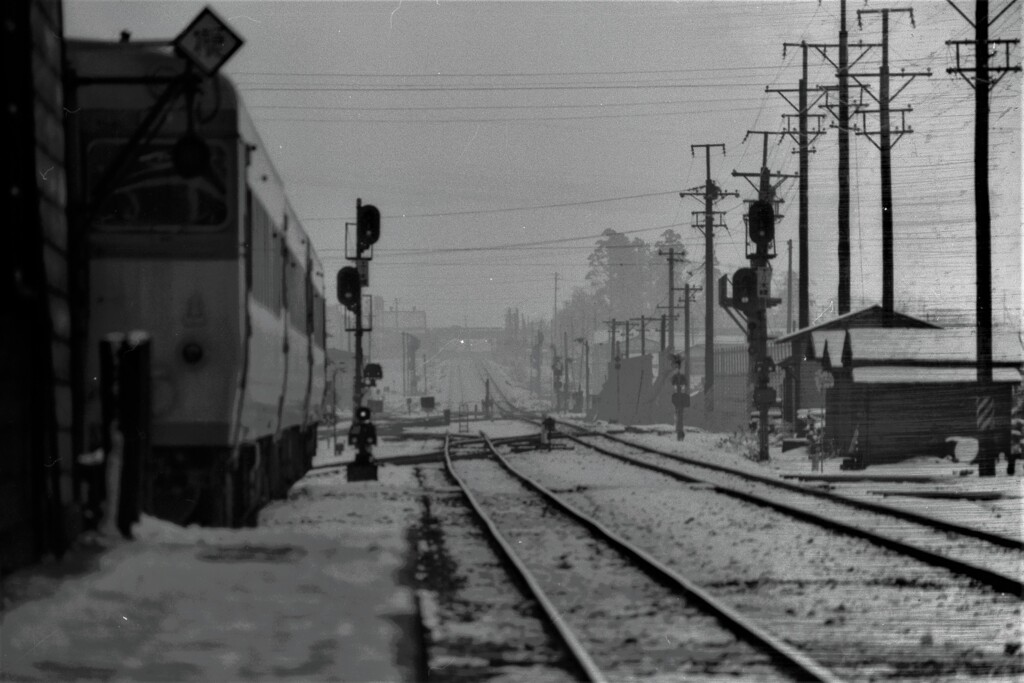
(495, 119)
(525, 74)
(420, 88)
(507, 209)
(600, 105)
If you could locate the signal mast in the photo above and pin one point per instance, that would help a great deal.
(751, 297)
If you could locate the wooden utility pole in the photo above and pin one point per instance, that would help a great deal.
(688, 294)
(885, 144)
(843, 220)
(612, 339)
(673, 258)
(764, 175)
(554, 309)
(789, 289)
(843, 125)
(804, 139)
(986, 76)
(642, 322)
(711, 193)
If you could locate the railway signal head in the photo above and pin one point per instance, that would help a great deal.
(349, 288)
(367, 226)
(744, 290)
(363, 414)
(761, 223)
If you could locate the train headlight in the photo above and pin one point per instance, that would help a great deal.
(192, 353)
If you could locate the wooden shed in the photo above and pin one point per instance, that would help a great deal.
(802, 386)
(901, 393)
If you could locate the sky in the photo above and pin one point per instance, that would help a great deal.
(500, 139)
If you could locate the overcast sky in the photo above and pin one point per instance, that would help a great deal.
(489, 124)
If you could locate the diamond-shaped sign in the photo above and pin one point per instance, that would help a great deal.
(208, 42)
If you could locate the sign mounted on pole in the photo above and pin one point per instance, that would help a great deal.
(764, 281)
(824, 380)
(208, 42)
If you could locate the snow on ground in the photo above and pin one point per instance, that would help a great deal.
(1004, 515)
(861, 609)
(319, 591)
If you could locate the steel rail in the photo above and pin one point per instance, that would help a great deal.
(579, 654)
(804, 667)
(1000, 582)
(940, 524)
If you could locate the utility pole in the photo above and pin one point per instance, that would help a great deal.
(764, 175)
(535, 357)
(673, 258)
(568, 363)
(789, 289)
(803, 139)
(405, 365)
(586, 357)
(626, 323)
(843, 126)
(689, 294)
(711, 192)
(554, 310)
(612, 339)
(885, 144)
(983, 83)
(843, 221)
(642, 322)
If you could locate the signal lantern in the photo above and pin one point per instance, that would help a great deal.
(363, 414)
(761, 223)
(367, 226)
(744, 290)
(349, 288)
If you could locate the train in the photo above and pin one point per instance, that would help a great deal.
(192, 239)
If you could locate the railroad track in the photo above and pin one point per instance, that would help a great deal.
(617, 611)
(991, 559)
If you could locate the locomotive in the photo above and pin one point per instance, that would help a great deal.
(193, 240)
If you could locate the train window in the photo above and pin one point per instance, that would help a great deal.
(296, 293)
(265, 269)
(150, 196)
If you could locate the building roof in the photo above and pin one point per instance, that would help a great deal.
(870, 317)
(936, 347)
(902, 374)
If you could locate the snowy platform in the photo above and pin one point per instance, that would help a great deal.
(321, 590)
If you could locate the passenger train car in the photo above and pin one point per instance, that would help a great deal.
(216, 268)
